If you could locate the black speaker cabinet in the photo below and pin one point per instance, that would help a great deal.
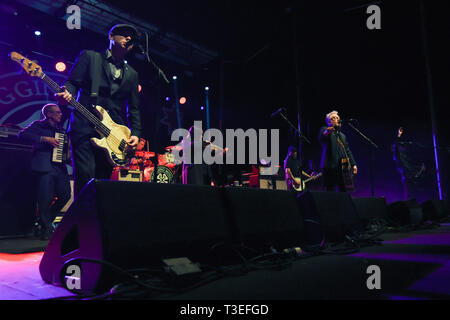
(264, 218)
(405, 213)
(328, 216)
(131, 225)
(371, 208)
(435, 209)
(17, 209)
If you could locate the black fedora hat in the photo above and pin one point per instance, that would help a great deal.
(124, 29)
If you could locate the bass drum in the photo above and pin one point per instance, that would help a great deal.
(163, 174)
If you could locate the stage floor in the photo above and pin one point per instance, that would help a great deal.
(413, 265)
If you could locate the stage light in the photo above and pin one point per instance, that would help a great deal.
(60, 66)
(202, 108)
(139, 88)
(174, 77)
(37, 33)
(182, 100)
(206, 88)
(167, 98)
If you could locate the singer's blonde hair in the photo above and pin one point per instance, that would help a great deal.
(328, 116)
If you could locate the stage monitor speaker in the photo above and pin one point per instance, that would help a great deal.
(371, 208)
(435, 209)
(133, 225)
(264, 218)
(404, 213)
(328, 216)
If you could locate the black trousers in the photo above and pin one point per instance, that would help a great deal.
(49, 185)
(88, 162)
(333, 179)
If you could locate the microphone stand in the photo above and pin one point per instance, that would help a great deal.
(144, 52)
(371, 160)
(147, 58)
(299, 134)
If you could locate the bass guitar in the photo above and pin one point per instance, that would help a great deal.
(114, 137)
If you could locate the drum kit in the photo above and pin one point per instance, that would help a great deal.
(144, 161)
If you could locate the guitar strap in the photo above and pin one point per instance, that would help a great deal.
(348, 180)
(341, 144)
(96, 71)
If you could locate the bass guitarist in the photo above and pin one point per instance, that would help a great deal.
(337, 163)
(103, 79)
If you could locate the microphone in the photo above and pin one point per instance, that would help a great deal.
(277, 112)
(139, 43)
(351, 121)
(141, 48)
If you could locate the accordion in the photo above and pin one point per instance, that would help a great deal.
(61, 152)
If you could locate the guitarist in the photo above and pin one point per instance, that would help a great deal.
(293, 169)
(334, 149)
(102, 79)
(410, 165)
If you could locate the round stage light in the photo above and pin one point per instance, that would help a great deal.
(37, 33)
(60, 66)
(182, 100)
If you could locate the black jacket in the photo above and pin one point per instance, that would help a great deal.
(332, 152)
(80, 80)
(41, 160)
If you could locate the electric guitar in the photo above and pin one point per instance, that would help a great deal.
(114, 136)
(300, 185)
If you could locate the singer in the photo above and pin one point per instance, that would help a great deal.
(102, 79)
(334, 149)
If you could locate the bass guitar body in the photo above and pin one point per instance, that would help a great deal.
(114, 145)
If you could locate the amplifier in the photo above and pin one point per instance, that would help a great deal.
(126, 175)
(272, 183)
